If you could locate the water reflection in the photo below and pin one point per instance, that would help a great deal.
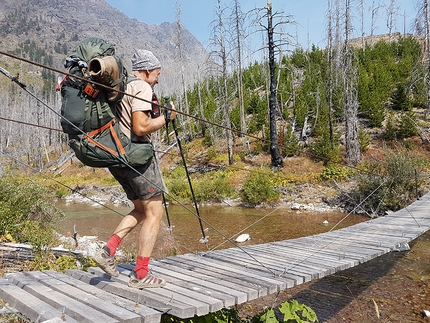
(220, 223)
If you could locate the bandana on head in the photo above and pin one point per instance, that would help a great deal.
(144, 60)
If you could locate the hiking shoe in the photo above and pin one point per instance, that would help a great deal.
(149, 281)
(106, 262)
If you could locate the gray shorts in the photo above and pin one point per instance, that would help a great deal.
(140, 183)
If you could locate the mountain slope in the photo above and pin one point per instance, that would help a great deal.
(58, 25)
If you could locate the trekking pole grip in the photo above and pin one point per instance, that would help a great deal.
(168, 110)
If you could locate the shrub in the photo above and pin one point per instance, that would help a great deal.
(213, 187)
(292, 312)
(259, 188)
(390, 184)
(27, 216)
(364, 139)
(335, 173)
(326, 150)
(26, 213)
(178, 186)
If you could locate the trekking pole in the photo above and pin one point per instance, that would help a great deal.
(204, 239)
(169, 227)
(13, 78)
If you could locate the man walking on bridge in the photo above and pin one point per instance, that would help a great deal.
(138, 121)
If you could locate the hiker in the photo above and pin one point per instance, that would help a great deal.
(144, 190)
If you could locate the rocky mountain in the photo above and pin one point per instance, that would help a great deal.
(54, 27)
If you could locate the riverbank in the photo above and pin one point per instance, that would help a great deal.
(305, 197)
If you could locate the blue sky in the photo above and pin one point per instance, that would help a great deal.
(309, 15)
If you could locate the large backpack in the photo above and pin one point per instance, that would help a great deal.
(88, 109)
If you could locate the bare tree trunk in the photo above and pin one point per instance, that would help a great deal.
(274, 144)
(392, 11)
(330, 50)
(223, 53)
(238, 32)
(426, 11)
(351, 96)
(363, 33)
(181, 59)
(201, 107)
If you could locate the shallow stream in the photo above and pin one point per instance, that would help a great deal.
(221, 225)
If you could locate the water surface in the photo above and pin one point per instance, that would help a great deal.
(220, 225)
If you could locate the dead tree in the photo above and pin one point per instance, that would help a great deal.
(350, 75)
(274, 142)
(181, 61)
(373, 19)
(276, 158)
(392, 12)
(220, 56)
(238, 35)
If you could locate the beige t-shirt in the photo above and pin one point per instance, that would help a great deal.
(129, 104)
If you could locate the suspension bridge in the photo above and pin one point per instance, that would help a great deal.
(199, 284)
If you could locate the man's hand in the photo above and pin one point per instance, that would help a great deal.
(169, 111)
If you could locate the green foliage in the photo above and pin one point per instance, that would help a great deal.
(384, 67)
(390, 183)
(408, 125)
(334, 172)
(209, 187)
(401, 126)
(221, 316)
(364, 139)
(299, 313)
(257, 107)
(292, 311)
(259, 188)
(26, 212)
(177, 184)
(326, 150)
(290, 146)
(213, 187)
(399, 99)
(390, 128)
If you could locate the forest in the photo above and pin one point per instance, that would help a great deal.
(330, 102)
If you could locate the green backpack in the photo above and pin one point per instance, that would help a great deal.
(88, 109)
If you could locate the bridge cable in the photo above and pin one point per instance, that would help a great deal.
(299, 260)
(23, 86)
(14, 78)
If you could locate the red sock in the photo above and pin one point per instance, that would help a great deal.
(141, 268)
(113, 243)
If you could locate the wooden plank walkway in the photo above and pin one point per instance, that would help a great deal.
(198, 284)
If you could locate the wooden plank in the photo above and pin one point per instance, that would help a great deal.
(193, 284)
(286, 257)
(29, 305)
(239, 258)
(306, 250)
(282, 257)
(147, 314)
(159, 302)
(213, 303)
(73, 308)
(311, 257)
(363, 245)
(239, 275)
(108, 308)
(264, 278)
(152, 297)
(202, 307)
(252, 290)
(357, 253)
(227, 287)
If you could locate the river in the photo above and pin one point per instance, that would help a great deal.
(221, 225)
